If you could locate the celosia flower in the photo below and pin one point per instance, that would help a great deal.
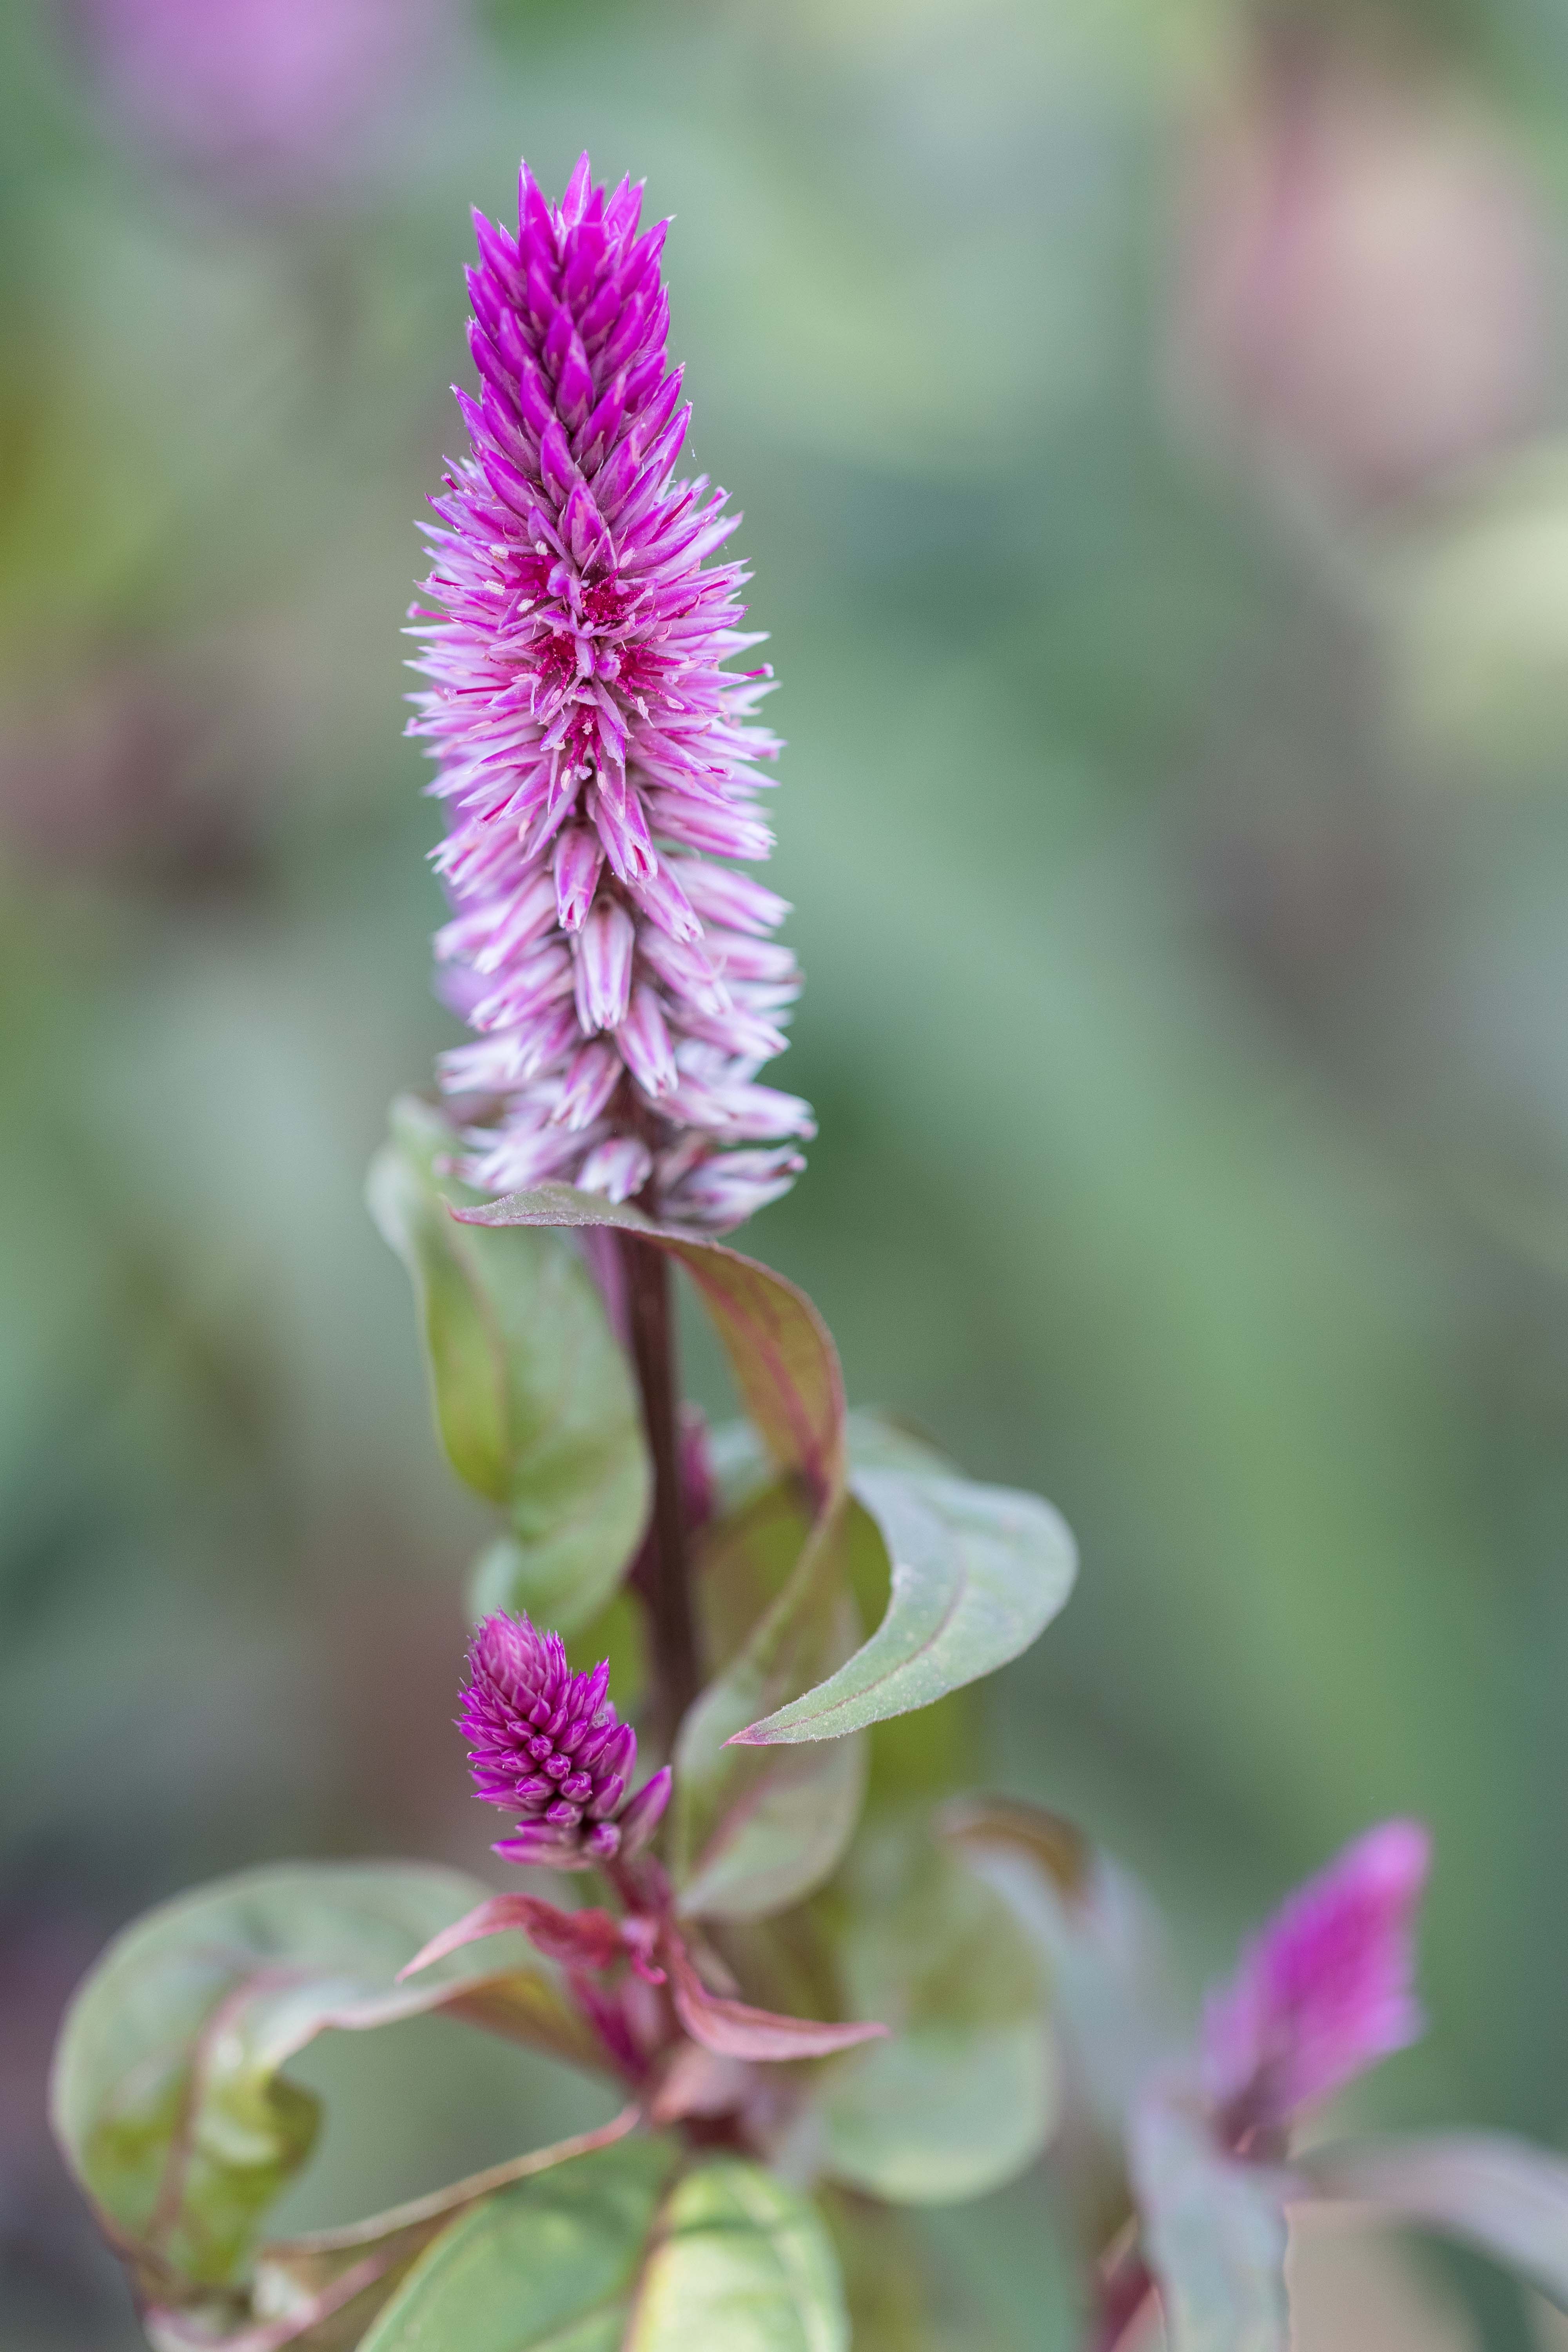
(595, 755)
(1325, 1990)
(547, 1745)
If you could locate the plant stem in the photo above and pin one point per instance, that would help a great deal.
(1123, 2294)
(666, 1585)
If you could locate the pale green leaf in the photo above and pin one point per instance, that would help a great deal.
(977, 1572)
(755, 1829)
(1115, 1998)
(964, 2095)
(552, 2262)
(742, 2264)
(533, 1396)
(1213, 2233)
(167, 2095)
(320, 2293)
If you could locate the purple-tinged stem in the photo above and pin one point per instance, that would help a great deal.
(1123, 2296)
(666, 1587)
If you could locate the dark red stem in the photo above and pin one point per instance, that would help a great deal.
(667, 1583)
(1124, 2291)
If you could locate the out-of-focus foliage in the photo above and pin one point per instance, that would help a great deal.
(1149, 419)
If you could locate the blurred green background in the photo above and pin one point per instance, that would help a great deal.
(1150, 418)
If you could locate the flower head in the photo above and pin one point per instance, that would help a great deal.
(547, 1745)
(594, 753)
(1325, 1990)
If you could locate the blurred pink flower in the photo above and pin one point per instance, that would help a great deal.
(1325, 1990)
(267, 89)
(1361, 283)
(155, 768)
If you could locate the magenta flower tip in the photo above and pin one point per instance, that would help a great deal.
(594, 750)
(546, 1745)
(1326, 1988)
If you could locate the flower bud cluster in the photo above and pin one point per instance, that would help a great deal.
(547, 1745)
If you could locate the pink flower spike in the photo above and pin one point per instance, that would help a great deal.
(1325, 1990)
(593, 750)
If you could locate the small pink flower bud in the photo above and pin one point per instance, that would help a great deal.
(546, 1745)
(1325, 1990)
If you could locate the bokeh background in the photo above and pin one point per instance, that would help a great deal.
(1152, 420)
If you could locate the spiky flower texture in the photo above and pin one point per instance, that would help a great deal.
(596, 755)
(547, 1745)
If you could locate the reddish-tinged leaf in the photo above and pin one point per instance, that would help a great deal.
(779, 1349)
(167, 2095)
(699, 2083)
(732, 2030)
(581, 1939)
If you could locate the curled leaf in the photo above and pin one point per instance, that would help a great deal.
(1005, 1824)
(732, 2030)
(167, 2095)
(1116, 2009)
(977, 1572)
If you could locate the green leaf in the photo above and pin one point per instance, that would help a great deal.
(534, 1398)
(889, 2286)
(779, 1349)
(756, 1829)
(555, 2262)
(1500, 2195)
(1115, 1999)
(742, 1465)
(742, 2264)
(964, 2095)
(1213, 2232)
(977, 1573)
(744, 1560)
(166, 2096)
(326, 2288)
